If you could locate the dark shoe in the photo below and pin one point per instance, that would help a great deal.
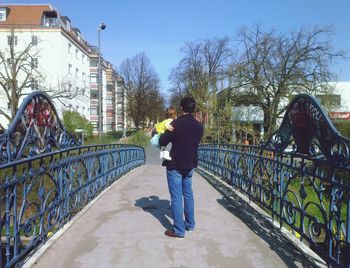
(189, 229)
(172, 234)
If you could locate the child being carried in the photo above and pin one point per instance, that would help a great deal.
(160, 129)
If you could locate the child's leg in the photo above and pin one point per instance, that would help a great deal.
(165, 153)
(167, 147)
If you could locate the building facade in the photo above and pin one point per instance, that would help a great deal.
(112, 97)
(58, 52)
(63, 64)
(121, 123)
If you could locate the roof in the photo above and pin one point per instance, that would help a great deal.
(24, 14)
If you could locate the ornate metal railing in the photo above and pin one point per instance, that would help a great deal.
(39, 195)
(46, 178)
(35, 129)
(301, 177)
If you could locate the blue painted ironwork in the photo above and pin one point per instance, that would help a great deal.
(46, 177)
(36, 129)
(306, 189)
(307, 127)
(38, 195)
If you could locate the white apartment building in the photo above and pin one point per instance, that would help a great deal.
(62, 53)
(94, 91)
(120, 104)
(342, 99)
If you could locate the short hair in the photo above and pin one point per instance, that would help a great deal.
(188, 104)
(170, 113)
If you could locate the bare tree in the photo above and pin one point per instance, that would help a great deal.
(275, 66)
(63, 90)
(20, 74)
(201, 73)
(18, 71)
(157, 109)
(179, 87)
(142, 88)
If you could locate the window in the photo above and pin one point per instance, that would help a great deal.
(83, 76)
(93, 63)
(83, 58)
(68, 24)
(109, 88)
(93, 95)
(109, 113)
(9, 62)
(76, 53)
(34, 40)
(76, 72)
(10, 81)
(70, 48)
(2, 14)
(93, 78)
(34, 84)
(77, 89)
(77, 108)
(70, 68)
(93, 111)
(12, 40)
(109, 101)
(69, 88)
(34, 63)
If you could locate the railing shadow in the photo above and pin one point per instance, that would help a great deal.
(158, 208)
(261, 226)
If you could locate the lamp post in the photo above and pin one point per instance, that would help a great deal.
(100, 28)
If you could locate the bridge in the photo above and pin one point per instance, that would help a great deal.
(66, 205)
(125, 228)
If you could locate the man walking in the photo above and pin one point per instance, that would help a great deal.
(185, 139)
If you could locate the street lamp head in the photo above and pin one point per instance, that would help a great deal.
(102, 26)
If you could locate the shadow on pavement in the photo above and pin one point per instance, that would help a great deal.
(158, 208)
(286, 250)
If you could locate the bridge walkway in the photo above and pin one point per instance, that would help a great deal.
(125, 227)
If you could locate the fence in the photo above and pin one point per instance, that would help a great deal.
(46, 177)
(301, 177)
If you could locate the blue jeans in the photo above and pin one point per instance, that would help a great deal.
(182, 201)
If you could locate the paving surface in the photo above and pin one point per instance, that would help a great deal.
(125, 228)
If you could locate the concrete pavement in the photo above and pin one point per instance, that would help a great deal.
(125, 228)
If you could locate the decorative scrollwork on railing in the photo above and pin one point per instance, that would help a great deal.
(38, 195)
(306, 188)
(307, 195)
(307, 128)
(35, 129)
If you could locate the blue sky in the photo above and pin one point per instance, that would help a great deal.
(161, 27)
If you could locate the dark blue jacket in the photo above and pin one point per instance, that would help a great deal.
(185, 140)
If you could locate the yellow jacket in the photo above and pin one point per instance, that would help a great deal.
(162, 126)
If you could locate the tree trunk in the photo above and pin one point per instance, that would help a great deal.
(14, 105)
(267, 123)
